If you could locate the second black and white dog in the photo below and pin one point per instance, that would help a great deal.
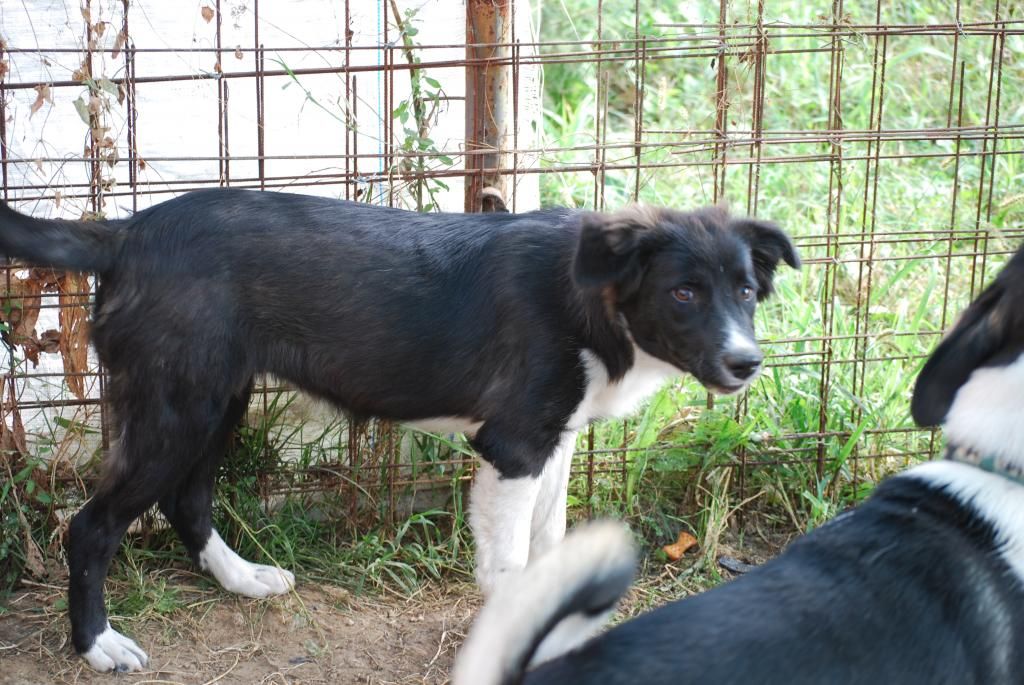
(921, 584)
(518, 329)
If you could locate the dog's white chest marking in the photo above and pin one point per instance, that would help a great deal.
(603, 399)
(986, 416)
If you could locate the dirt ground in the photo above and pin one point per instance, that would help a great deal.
(318, 635)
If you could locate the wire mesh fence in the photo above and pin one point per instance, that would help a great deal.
(885, 137)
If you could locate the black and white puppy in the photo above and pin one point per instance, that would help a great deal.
(922, 583)
(517, 329)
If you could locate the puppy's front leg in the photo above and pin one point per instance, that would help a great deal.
(548, 523)
(500, 514)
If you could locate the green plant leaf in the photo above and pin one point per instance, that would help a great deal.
(83, 109)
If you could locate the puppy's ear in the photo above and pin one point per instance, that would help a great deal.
(978, 335)
(769, 245)
(611, 248)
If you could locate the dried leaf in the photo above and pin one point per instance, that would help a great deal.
(142, 164)
(217, 69)
(675, 551)
(57, 198)
(83, 73)
(49, 341)
(87, 15)
(17, 432)
(19, 308)
(207, 13)
(238, 55)
(49, 279)
(42, 95)
(33, 555)
(100, 27)
(31, 349)
(73, 316)
(119, 43)
(4, 68)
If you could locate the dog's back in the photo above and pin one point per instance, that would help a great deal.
(339, 297)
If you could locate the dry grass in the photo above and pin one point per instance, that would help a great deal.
(316, 635)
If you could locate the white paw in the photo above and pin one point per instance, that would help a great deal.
(112, 651)
(242, 577)
(257, 580)
(491, 580)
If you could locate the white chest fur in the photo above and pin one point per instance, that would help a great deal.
(986, 413)
(604, 399)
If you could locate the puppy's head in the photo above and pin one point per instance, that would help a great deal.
(974, 380)
(686, 284)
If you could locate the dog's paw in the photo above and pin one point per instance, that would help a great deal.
(490, 580)
(242, 577)
(112, 651)
(257, 580)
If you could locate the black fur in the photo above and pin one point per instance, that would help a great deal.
(985, 334)
(381, 312)
(901, 590)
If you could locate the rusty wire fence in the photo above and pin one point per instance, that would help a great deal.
(886, 137)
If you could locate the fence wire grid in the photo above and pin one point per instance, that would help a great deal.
(885, 137)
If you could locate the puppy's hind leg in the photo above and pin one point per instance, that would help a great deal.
(159, 432)
(189, 509)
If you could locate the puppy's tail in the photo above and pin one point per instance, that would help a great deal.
(76, 245)
(557, 603)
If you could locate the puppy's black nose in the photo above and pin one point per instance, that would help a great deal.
(743, 365)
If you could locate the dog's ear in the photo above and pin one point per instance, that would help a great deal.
(611, 248)
(769, 245)
(980, 333)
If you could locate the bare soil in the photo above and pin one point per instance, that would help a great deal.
(316, 635)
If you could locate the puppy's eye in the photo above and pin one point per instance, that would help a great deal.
(747, 293)
(683, 295)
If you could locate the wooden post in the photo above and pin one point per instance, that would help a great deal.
(488, 97)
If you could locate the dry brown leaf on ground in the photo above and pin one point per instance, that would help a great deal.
(676, 550)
